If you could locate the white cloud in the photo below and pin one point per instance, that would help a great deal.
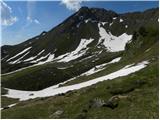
(72, 4)
(30, 20)
(36, 21)
(6, 15)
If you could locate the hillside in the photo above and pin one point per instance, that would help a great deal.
(95, 64)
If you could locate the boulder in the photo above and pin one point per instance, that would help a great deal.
(97, 102)
(112, 102)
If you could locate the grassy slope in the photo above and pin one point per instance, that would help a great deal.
(140, 87)
(33, 78)
(7, 101)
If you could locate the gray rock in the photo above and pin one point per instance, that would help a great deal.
(56, 114)
(97, 102)
(112, 102)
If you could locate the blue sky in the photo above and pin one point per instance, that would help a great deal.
(22, 20)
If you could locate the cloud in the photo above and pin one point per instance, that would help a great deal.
(30, 20)
(72, 4)
(36, 21)
(6, 15)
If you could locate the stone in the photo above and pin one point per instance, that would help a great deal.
(96, 103)
(112, 102)
(56, 114)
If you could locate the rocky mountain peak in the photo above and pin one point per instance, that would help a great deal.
(95, 14)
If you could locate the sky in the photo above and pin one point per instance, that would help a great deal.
(21, 20)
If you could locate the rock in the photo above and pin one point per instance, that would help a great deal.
(96, 103)
(56, 114)
(112, 102)
(31, 94)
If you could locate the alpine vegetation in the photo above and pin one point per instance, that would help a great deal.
(97, 63)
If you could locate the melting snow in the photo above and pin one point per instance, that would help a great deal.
(49, 59)
(86, 21)
(18, 60)
(11, 105)
(80, 50)
(114, 18)
(31, 58)
(121, 20)
(100, 67)
(110, 24)
(53, 90)
(103, 23)
(111, 42)
(41, 58)
(25, 50)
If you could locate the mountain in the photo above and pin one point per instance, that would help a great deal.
(91, 44)
(84, 24)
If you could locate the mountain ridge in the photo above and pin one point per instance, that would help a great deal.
(64, 47)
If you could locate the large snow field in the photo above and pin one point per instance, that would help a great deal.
(54, 90)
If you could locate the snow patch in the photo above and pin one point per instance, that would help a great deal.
(100, 67)
(126, 26)
(103, 23)
(80, 50)
(111, 24)
(114, 18)
(25, 50)
(18, 60)
(53, 90)
(31, 58)
(121, 20)
(39, 59)
(86, 21)
(9, 106)
(111, 42)
(49, 59)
